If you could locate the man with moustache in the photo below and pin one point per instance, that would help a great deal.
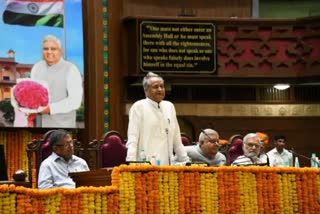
(252, 147)
(153, 127)
(54, 170)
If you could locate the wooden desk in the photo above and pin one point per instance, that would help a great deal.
(98, 177)
(17, 183)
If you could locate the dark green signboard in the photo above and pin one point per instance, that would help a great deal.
(177, 47)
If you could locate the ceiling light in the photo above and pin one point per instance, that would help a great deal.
(281, 86)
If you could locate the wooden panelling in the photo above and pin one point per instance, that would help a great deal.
(247, 49)
(93, 53)
(199, 8)
(116, 64)
(304, 94)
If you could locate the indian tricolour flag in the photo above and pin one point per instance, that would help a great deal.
(34, 12)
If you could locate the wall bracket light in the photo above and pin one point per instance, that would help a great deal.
(281, 86)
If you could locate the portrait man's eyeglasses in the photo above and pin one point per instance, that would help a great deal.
(47, 49)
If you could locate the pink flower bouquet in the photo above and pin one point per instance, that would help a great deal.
(29, 97)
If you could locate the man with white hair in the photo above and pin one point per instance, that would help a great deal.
(252, 148)
(207, 150)
(65, 85)
(153, 129)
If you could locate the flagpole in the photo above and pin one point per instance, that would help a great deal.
(64, 31)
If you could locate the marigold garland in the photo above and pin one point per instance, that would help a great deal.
(15, 144)
(248, 193)
(168, 191)
(127, 192)
(318, 186)
(153, 189)
(228, 187)
(209, 198)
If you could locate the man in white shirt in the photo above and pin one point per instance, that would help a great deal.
(279, 156)
(153, 127)
(207, 150)
(64, 82)
(54, 170)
(252, 148)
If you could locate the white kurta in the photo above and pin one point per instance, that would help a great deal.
(65, 92)
(154, 128)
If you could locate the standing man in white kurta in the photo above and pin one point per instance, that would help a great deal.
(153, 126)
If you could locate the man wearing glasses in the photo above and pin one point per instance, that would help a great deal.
(65, 85)
(252, 149)
(207, 150)
(54, 170)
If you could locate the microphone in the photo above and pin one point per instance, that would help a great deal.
(205, 134)
(303, 156)
(268, 161)
(217, 143)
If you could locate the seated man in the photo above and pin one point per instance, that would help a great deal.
(252, 147)
(206, 150)
(279, 156)
(54, 169)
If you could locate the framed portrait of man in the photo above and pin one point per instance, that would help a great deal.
(41, 64)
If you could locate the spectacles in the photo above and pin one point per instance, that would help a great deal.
(210, 139)
(47, 49)
(251, 145)
(65, 145)
(214, 142)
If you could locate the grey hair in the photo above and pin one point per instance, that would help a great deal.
(205, 132)
(251, 135)
(56, 136)
(145, 81)
(51, 38)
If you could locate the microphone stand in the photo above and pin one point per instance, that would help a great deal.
(169, 154)
(303, 156)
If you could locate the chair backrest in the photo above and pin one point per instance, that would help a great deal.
(44, 149)
(224, 146)
(111, 150)
(186, 140)
(235, 148)
(37, 151)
